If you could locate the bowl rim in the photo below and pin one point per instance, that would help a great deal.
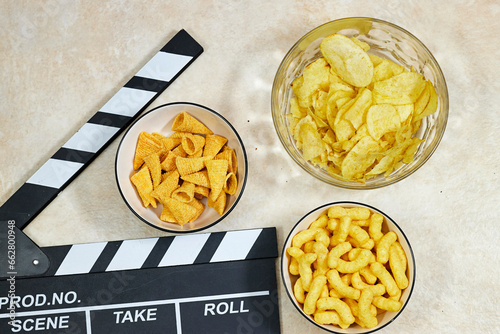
(324, 206)
(331, 179)
(243, 185)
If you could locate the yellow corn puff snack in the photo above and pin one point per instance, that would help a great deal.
(185, 193)
(168, 163)
(200, 207)
(167, 174)
(182, 212)
(160, 138)
(299, 292)
(219, 204)
(217, 170)
(167, 216)
(327, 317)
(187, 154)
(364, 277)
(179, 150)
(231, 184)
(199, 178)
(229, 155)
(187, 166)
(364, 303)
(165, 189)
(146, 144)
(201, 191)
(144, 185)
(192, 144)
(178, 134)
(213, 144)
(198, 154)
(169, 143)
(152, 161)
(187, 123)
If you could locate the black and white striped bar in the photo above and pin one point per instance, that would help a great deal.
(95, 135)
(221, 282)
(162, 252)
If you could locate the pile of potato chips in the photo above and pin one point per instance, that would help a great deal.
(356, 114)
(180, 170)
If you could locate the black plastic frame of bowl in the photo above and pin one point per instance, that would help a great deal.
(324, 206)
(323, 175)
(244, 177)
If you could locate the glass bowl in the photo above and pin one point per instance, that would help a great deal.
(385, 318)
(160, 119)
(386, 40)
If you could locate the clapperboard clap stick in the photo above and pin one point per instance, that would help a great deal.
(220, 282)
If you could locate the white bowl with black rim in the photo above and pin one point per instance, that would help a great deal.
(384, 319)
(160, 119)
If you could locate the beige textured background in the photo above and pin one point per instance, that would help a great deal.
(61, 60)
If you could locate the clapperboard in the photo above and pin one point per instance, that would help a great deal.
(222, 282)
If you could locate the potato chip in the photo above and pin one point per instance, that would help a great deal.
(385, 164)
(400, 89)
(422, 101)
(187, 123)
(295, 110)
(308, 133)
(431, 106)
(344, 130)
(411, 149)
(297, 88)
(147, 144)
(382, 118)
(316, 76)
(357, 111)
(144, 185)
(386, 69)
(376, 60)
(320, 123)
(349, 61)
(359, 158)
(343, 106)
(405, 111)
(182, 212)
(319, 102)
(363, 45)
(217, 171)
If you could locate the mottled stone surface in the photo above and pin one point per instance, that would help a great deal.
(62, 60)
